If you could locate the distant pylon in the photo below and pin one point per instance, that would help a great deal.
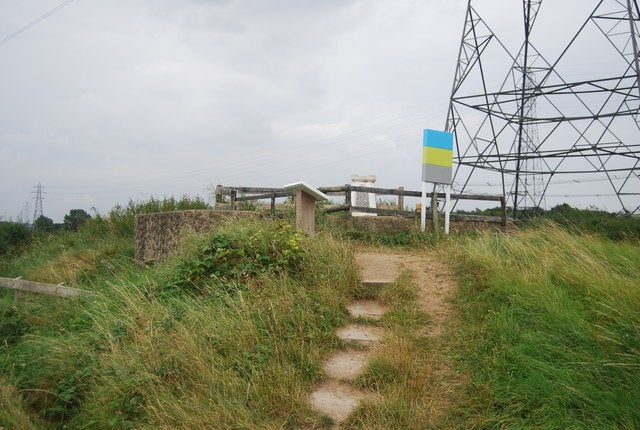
(26, 211)
(37, 212)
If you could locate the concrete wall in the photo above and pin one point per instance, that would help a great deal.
(160, 233)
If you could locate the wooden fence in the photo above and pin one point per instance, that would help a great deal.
(241, 194)
(19, 285)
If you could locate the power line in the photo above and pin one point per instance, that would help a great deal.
(403, 130)
(38, 20)
(570, 181)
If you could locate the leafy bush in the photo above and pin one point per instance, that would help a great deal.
(228, 257)
(595, 221)
(610, 225)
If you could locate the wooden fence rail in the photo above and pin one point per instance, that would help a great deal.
(18, 285)
(261, 193)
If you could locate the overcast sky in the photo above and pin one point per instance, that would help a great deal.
(106, 101)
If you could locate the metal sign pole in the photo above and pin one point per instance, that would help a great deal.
(423, 207)
(447, 208)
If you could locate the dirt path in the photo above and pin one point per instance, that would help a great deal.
(337, 397)
(436, 286)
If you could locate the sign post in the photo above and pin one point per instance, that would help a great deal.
(437, 164)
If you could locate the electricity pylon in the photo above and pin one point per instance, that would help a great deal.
(522, 123)
(37, 212)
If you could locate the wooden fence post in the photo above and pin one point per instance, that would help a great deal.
(400, 199)
(16, 294)
(219, 197)
(347, 194)
(233, 193)
(273, 205)
(503, 210)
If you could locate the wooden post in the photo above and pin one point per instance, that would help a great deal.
(16, 293)
(434, 211)
(400, 199)
(503, 210)
(218, 196)
(306, 197)
(305, 212)
(347, 194)
(233, 193)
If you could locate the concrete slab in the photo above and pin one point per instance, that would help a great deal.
(336, 399)
(367, 309)
(360, 333)
(346, 365)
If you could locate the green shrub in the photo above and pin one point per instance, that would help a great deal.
(604, 223)
(226, 258)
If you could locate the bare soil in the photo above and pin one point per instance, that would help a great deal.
(436, 285)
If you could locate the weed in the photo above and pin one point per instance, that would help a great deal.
(227, 259)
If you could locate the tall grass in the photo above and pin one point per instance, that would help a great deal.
(551, 331)
(236, 352)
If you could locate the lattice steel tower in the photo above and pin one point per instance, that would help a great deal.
(37, 212)
(522, 123)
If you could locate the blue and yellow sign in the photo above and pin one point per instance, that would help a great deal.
(437, 157)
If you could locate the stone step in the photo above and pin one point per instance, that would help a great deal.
(360, 333)
(346, 365)
(367, 309)
(376, 283)
(336, 399)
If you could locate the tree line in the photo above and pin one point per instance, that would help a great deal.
(13, 236)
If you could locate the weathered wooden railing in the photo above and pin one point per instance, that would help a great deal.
(19, 285)
(240, 194)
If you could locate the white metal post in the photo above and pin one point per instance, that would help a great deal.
(447, 208)
(423, 207)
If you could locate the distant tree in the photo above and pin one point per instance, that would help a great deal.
(75, 219)
(12, 237)
(43, 224)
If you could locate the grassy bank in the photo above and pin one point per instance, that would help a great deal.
(551, 330)
(231, 332)
(228, 334)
